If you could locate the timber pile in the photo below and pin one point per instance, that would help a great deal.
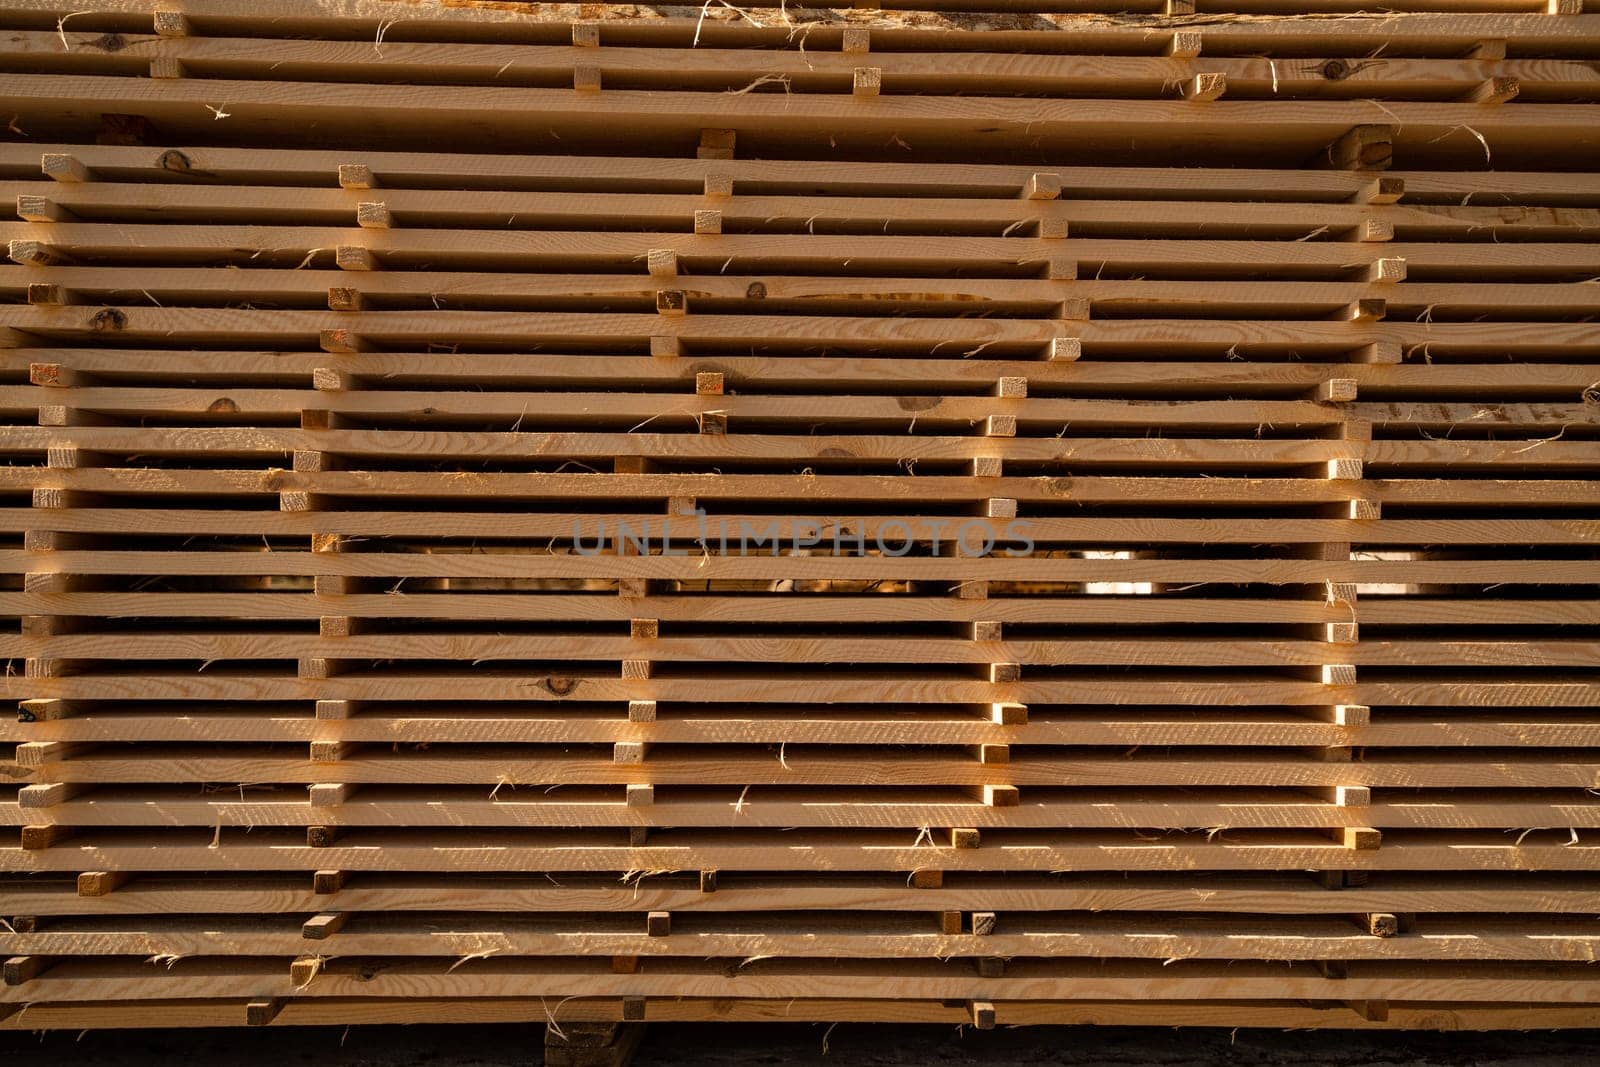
(332, 336)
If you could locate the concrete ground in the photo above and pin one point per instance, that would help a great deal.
(843, 1045)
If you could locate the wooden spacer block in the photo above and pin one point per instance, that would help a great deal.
(317, 667)
(1338, 674)
(1066, 350)
(47, 794)
(671, 303)
(1008, 714)
(330, 751)
(39, 838)
(984, 631)
(1339, 592)
(1380, 352)
(586, 34)
(1005, 673)
(1061, 270)
(708, 881)
(965, 837)
(1387, 271)
(641, 711)
(708, 221)
(261, 1012)
(717, 144)
(719, 186)
(856, 39)
(60, 167)
(624, 964)
(1000, 507)
(333, 709)
(1001, 796)
(926, 879)
(1011, 387)
(982, 1011)
(38, 209)
(1375, 230)
(586, 79)
(19, 970)
(354, 257)
(635, 669)
(32, 253)
(1000, 426)
(1347, 796)
(328, 380)
(1205, 87)
(329, 794)
(1352, 715)
(324, 883)
(303, 970)
(663, 347)
(1337, 391)
(46, 710)
(1042, 185)
(984, 923)
(644, 629)
(43, 753)
(986, 467)
(1185, 44)
(950, 922)
(640, 796)
(1053, 229)
(662, 262)
(321, 836)
(628, 752)
(1380, 923)
(658, 923)
(1360, 838)
(868, 82)
(1344, 469)
(1564, 7)
(340, 341)
(374, 215)
(633, 1009)
(344, 298)
(1385, 190)
(322, 927)
(1365, 147)
(46, 294)
(994, 754)
(991, 967)
(1074, 310)
(1373, 1011)
(166, 67)
(356, 176)
(708, 383)
(1179, 7)
(101, 883)
(1341, 633)
(1366, 509)
(1494, 91)
(172, 24)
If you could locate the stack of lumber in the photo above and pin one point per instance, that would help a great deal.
(339, 336)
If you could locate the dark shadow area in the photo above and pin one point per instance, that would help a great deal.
(836, 1045)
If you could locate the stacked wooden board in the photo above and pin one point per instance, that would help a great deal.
(342, 338)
